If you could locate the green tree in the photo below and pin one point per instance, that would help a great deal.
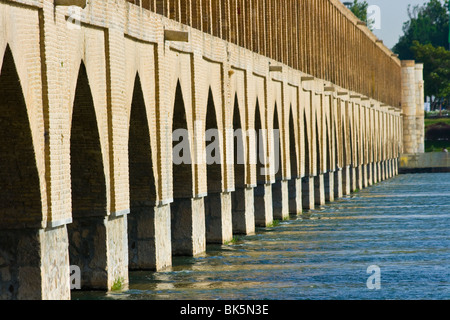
(427, 24)
(425, 39)
(359, 9)
(436, 62)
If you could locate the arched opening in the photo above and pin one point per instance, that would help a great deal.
(329, 154)
(239, 151)
(308, 179)
(294, 186)
(262, 193)
(242, 216)
(329, 174)
(87, 233)
(260, 140)
(20, 196)
(319, 190)
(318, 148)
(181, 208)
(344, 147)
(277, 187)
(213, 152)
(181, 146)
(292, 147)
(141, 225)
(306, 139)
(278, 166)
(218, 224)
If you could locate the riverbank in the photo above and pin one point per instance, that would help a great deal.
(432, 162)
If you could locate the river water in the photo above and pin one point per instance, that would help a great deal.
(401, 226)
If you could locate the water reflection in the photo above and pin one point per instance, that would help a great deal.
(401, 225)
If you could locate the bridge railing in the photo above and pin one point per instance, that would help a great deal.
(319, 37)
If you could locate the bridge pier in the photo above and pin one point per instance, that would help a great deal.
(149, 239)
(243, 213)
(369, 174)
(383, 170)
(188, 231)
(353, 179)
(263, 205)
(359, 177)
(34, 264)
(219, 227)
(386, 165)
(308, 193)
(379, 173)
(375, 172)
(319, 190)
(346, 180)
(295, 196)
(329, 186)
(338, 184)
(98, 246)
(280, 200)
(364, 173)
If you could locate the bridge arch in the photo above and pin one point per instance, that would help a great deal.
(21, 207)
(142, 185)
(243, 219)
(87, 232)
(187, 212)
(20, 199)
(217, 203)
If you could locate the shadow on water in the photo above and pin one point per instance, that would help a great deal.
(400, 225)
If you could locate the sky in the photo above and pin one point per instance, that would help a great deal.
(393, 13)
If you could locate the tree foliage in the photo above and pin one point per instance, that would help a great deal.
(427, 24)
(436, 62)
(359, 9)
(425, 40)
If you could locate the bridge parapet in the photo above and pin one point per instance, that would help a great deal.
(321, 38)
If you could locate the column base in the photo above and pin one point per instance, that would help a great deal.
(319, 190)
(346, 180)
(295, 196)
(329, 186)
(188, 227)
(99, 247)
(280, 200)
(149, 239)
(34, 264)
(243, 211)
(219, 228)
(308, 193)
(338, 184)
(263, 205)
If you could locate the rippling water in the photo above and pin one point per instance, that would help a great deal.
(401, 225)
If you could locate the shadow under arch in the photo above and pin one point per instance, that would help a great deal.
(280, 209)
(187, 239)
(218, 203)
(20, 193)
(243, 218)
(308, 179)
(141, 244)
(263, 191)
(294, 184)
(87, 232)
(20, 196)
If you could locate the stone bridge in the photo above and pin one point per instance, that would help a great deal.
(308, 104)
